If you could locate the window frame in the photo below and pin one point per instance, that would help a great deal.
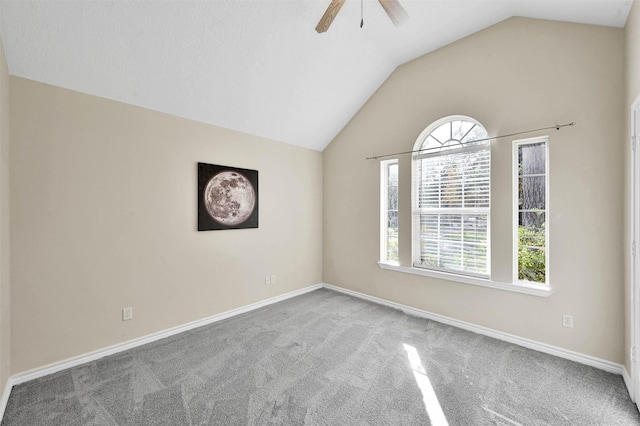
(516, 210)
(512, 286)
(415, 238)
(384, 210)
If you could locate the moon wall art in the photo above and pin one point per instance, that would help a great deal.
(227, 197)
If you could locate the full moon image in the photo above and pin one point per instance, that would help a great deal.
(229, 198)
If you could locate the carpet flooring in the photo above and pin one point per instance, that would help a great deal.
(324, 358)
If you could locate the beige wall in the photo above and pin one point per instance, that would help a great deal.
(519, 74)
(5, 291)
(103, 200)
(632, 73)
(103, 215)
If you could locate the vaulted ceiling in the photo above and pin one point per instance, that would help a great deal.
(254, 66)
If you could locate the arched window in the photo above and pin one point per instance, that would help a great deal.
(451, 197)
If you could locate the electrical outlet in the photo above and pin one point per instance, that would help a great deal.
(273, 279)
(127, 313)
(567, 320)
(267, 280)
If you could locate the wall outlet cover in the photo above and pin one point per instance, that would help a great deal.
(567, 320)
(127, 313)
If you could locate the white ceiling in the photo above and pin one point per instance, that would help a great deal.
(254, 66)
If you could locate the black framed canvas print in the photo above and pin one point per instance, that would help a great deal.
(227, 197)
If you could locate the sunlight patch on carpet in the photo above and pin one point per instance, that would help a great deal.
(431, 403)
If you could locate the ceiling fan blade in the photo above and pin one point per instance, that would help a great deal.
(329, 15)
(396, 12)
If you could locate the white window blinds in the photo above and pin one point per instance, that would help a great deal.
(451, 209)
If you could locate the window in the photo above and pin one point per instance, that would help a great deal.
(451, 197)
(389, 219)
(531, 186)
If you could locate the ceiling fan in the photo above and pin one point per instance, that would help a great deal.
(394, 10)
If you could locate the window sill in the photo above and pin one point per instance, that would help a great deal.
(532, 289)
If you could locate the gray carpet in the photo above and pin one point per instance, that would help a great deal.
(324, 358)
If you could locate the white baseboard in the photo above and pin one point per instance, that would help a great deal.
(627, 382)
(120, 347)
(5, 396)
(602, 364)
(92, 356)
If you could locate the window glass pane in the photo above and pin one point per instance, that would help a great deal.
(392, 247)
(428, 184)
(460, 180)
(476, 134)
(475, 257)
(441, 244)
(451, 227)
(392, 198)
(531, 158)
(429, 226)
(461, 128)
(429, 195)
(392, 221)
(442, 133)
(532, 194)
(393, 174)
(476, 178)
(475, 228)
(532, 203)
(451, 185)
(430, 143)
(533, 223)
(531, 264)
(476, 194)
(389, 212)
(429, 252)
(450, 255)
(475, 165)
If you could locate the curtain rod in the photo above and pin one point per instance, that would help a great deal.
(557, 127)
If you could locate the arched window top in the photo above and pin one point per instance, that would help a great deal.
(452, 198)
(450, 133)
